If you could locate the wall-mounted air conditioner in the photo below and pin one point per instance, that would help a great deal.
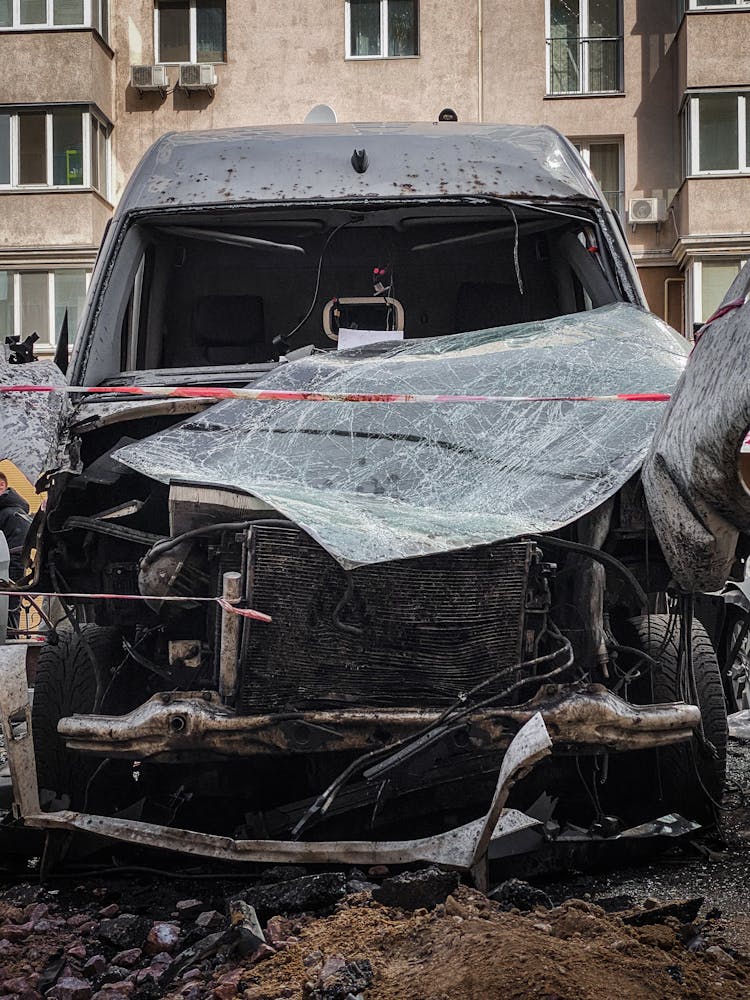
(645, 210)
(197, 76)
(146, 78)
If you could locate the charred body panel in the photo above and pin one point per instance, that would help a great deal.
(453, 589)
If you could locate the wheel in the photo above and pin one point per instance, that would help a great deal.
(692, 774)
(737, 674)
(66, 683)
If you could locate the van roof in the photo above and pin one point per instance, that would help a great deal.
(313, 162)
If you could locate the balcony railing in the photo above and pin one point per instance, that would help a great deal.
(584, 65)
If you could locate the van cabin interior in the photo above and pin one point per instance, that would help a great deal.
(217, 289)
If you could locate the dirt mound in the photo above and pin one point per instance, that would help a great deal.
(468, 949)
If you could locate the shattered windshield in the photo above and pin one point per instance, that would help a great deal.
(379, 481)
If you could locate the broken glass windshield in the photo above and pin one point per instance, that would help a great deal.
(379, 481)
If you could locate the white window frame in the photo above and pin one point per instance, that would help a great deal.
(193, 29)
(695, 273)
(47, 339)
(49, 23)
(583, 20)
(86, 185)
(384, 40)
(584, 148)
(692, 132)
(719, 5)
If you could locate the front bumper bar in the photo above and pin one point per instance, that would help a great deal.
(590, 717)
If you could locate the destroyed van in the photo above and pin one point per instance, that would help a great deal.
(351, 505)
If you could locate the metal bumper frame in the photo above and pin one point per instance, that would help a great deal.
(589, 718)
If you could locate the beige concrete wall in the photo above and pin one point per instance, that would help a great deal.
(643, 116)
(713, 206)
(284, 58)
(54, 67)
(713, 50)
(64, 219)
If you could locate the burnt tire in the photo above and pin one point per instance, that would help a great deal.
(66, 683)
(692, 774)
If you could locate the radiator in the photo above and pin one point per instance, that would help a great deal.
(416, 632)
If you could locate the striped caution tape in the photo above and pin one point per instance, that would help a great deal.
(293, 395)
(223, 603)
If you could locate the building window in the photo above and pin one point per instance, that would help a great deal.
(61, 148)
(36, 302)
(24, 15)
(704, 4)
(605, 160)
(717, 126)
(710, 281)
(380, 29)
(190, 31)
(584, 46)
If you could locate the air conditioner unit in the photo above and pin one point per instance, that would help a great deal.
(149, 77)
(197, 76)
(642, 210)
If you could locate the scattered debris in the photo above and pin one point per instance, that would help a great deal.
(415, 890)
(310, 892)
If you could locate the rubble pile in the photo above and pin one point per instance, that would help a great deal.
(355, 936)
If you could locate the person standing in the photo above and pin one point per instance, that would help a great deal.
(14, 524)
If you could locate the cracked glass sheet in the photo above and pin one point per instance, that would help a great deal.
(379, 481)
(31, 422)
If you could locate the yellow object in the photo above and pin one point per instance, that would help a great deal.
(21, 485)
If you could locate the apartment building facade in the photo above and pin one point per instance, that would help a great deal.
(655, 93)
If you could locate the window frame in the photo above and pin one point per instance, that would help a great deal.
(584, 38)
(48, 340)
(384, 39)
(695, 273)
(88, 115)
(193, 31)
(100, 25)
(691, 132)
(690, 6)
(584, 144)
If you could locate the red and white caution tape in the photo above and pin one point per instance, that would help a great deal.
(307, 396)
(257, 616)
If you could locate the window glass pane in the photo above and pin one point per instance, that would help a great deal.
(718, 139)
(603, 19)
(33, 11)
(716, 277)
(68, 11)
(70, 294)
(67, 147)
(210, 21)
(605, 166)
(6, 305)
(104, 25)
(6, 13)
(34, 305)
(101, 142)
(4, 149)
(32, 153)
(402, 27)
(174, 32)
(365, 27)
(565, 49)
(94, 153)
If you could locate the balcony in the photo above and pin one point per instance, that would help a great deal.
(712, 49)
(56, 67)
(709, 214)
(52, 219)
(579, 66)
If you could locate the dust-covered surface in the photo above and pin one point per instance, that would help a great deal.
(373, 482)
(676, 927)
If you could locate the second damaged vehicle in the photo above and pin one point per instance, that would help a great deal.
(433, 532)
